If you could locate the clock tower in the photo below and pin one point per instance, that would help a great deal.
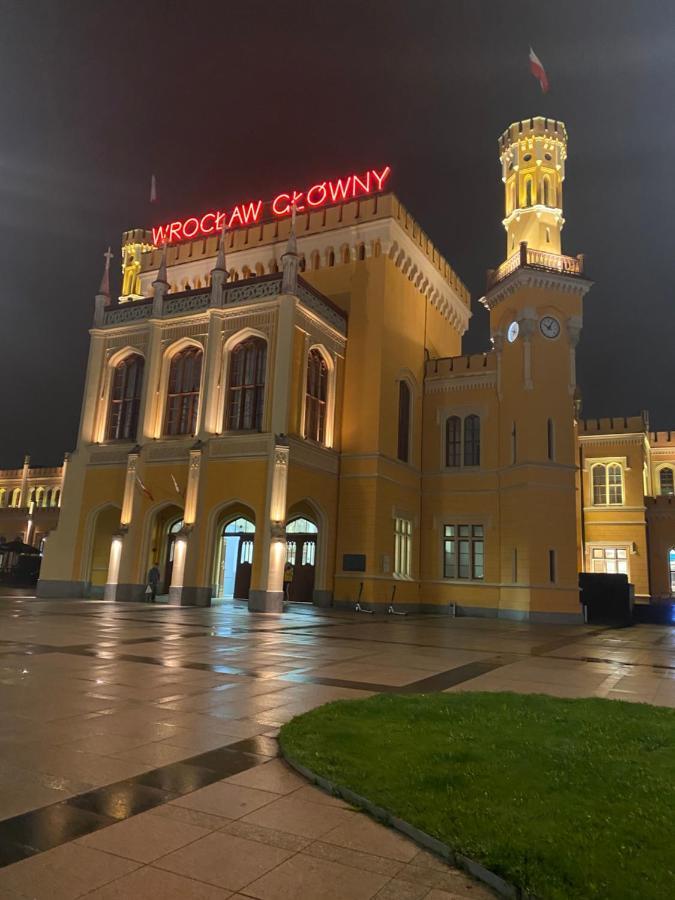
(535, 302)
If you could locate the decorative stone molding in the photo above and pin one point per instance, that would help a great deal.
(531, 278)
(460, 382)
(167, 451)
(235, 446)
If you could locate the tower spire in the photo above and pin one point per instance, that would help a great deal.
(104, 287)
(219, 273)
(289, 261)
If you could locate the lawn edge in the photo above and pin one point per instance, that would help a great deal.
(426, 841)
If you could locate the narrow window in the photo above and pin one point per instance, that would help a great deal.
(515, 565)
(331, 258)
(125, 398)
(614, 484)
(551, 566)
(315, 397)
(548, 235)
(547, 191)
(472, 441)
(666, 481)
(463, 552)
(528, 191)
(453, 442)
(403, 421)
(182, 398)
(514, 443)
(362, 252)
(402, 547)
(246, 386)
(599, 479)
(550, 450)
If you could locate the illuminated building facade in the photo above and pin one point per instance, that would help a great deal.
(296, 394)
(30, 500)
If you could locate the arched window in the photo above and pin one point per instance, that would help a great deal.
(316, 396)
(182, 397)
(246, 395)
(453, 441)
(361, 253)
(331, 257)
(316, 260)
(56, 497)
(607, 484)
(546, 190)
(39, 496)
(528, 191)
(3, 497)
(125, 398)
(403, 450)
(472, 441)
(15, 497)
(666, 483)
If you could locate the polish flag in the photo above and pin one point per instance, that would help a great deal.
(538, 71)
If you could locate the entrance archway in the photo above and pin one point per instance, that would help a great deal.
(107, 523)
(234, 558)
(301, 539)
(166, 524)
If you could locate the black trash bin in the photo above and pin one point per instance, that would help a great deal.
(606, 599)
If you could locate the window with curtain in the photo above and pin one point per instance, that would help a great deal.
(453, 441)
(472, 441)
(666, 483)
(316, 396)
(403, 450)
(246, 393)
(182, 396)
(125, 398)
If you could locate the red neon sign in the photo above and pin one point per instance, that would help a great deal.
(321, 194)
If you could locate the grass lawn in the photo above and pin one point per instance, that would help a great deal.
(565, 798)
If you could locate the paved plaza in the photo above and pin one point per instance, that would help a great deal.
(138, 753)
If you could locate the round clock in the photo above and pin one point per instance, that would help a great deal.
(549, 327)
(512, 332)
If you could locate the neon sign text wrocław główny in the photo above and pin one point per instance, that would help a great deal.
(321, 194)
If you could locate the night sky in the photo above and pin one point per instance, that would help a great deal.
(227, 102)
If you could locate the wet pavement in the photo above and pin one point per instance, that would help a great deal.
(137, 751)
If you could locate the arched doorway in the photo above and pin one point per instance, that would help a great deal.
(166, 525)
(301, 538)
(107, 523)
(234, 558)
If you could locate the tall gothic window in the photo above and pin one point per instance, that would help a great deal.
(453, 442)
(403, 450)
(607, 484)
(182, 398)
(666, 482)
(246, 395)
(472, 441)
(316, 397)
(125, 398)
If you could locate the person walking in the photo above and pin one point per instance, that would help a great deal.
(288, 578)
(153, 581)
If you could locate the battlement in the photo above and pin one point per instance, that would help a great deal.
(662, 438)
(137, 236)
(619, 425)
(346, 217)
(535, 127)
(457, 366)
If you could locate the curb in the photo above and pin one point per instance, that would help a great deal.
(426, 841)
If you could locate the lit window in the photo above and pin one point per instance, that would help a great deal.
(402, 547)
(609, 560)
(666, 481)
(607, 484)
(463, 552)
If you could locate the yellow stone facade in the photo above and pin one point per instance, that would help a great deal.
(287, 410)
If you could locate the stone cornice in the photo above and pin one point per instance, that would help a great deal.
(530, 277)
(459, 382)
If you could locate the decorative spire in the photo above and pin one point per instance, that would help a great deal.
(104, 287)
(289, 261)
(160, 285)
(219, 273)
(220, 261)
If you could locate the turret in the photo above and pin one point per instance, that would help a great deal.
(533, 154)
(134, 243)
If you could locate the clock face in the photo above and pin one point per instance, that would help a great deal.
(512, 332)
(549, 327)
